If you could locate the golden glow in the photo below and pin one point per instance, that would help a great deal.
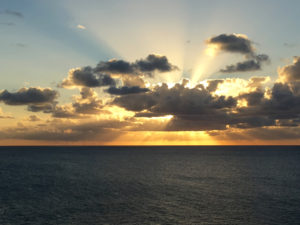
(204, 63)
(164, 138)
(211, 50)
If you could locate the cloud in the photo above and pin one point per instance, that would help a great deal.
(126, 90)
(13, 13)
(185, 104)
(236, 43)
(21, 45)
(79, 26)
(88, 102)
(27, 96)
(213, 85)
(46, 107)
(7, 23)
(130, 73)
(33, 118)
(58, 130)
(154, 62)
(248, 65)
(86, 77)
(5, 116)
(291, 72)
(147, 66)
(199, 108)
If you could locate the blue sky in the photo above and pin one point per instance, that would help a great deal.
(132, 29)
(41, 41)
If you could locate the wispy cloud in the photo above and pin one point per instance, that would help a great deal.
(13, 13)
(7, 23)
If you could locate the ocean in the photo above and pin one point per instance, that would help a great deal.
(238, 185)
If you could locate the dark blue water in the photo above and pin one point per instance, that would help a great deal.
(150, 185)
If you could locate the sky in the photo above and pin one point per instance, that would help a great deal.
(168, 72)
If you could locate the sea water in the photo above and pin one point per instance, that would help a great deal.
(150, 185)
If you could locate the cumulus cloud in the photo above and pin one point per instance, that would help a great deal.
(126, 90)
(88, 102)
(199, 108)
(238, 43)
(27, 96)
(86, 77)
(130, 73)
(291, 72)
(248, 65)
(148, 65)
(185, 104)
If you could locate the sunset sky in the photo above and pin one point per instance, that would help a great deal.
(149, 72)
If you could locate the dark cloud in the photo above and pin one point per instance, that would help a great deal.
(131, 73)
(148, 65)
(46, 108)
(248, 65)
(138, 102)
(199, 109)
(115, 66)
(27, 96)
(126, 90)
(86, 77)
(238, 43)
(290, 73)
(253, 98)
(154, 62)
(213, 85)
(175, 101)
(149, 114)
(235, 43)
(193, 104)
(282, 107)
